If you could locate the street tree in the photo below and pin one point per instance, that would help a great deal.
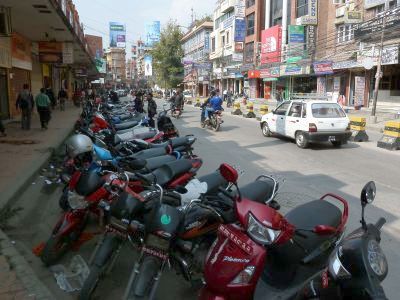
(167, 56)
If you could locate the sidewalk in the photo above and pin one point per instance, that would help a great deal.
(22, 155)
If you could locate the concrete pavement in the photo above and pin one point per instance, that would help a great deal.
(22, 154)
(309, 174)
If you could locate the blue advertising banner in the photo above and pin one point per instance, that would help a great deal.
(148, 65)
(296, 34)
(240, 30)
(117, 35)
(207, 41)
(152, 31)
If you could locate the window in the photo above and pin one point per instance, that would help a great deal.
(282, 109)
(227, 37)
(327, 110)
(301, 8)
(304, 112)
(213, 44)
(295, 110)
(381, 8)
(250, 24)
(249, 52)
(250, 3)
(345, 33)
(223, 41)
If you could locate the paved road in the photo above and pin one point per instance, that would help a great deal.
(309, 174)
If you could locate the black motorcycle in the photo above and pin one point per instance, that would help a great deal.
(356, 267)
(164, 124)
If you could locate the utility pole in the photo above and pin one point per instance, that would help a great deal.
(379, 66)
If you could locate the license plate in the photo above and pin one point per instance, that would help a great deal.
(332, 138)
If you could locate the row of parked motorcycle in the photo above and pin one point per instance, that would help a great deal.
(141, 184)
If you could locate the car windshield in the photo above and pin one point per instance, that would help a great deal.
(327, 110)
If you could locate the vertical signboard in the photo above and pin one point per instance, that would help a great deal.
(148, 65)
(152, 31)
(240, 9)
(271, 45)
(68, 53)
(359, 89)
(117, 35)
(311, 38)
(240, 30)
(207, 42)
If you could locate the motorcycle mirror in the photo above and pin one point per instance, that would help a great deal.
(100, 143)
(228, 173)
(324, 230)
(368, 193)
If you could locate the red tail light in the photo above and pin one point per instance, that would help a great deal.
(312, 127)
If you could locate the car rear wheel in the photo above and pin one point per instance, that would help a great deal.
(301, 140)
(337, 144)
(265, 130)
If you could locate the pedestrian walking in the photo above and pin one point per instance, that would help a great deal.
(25, 104)
(151, 109)
(225, 94)
(50, 94)
(62, 97)
(43, 107)
(2, 129)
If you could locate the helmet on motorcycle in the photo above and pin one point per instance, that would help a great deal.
(78, 144)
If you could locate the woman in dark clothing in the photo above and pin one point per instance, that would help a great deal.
(151, 109)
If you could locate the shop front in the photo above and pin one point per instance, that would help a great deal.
(270, 77)
(255, 84)
(298, 79)
(5, 65)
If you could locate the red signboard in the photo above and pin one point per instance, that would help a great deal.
(323, 67)
(271, 42)
(253, 74)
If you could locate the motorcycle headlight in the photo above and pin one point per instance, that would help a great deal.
(244, 276)
(376, 258)
(260, 233)
(76, 201)
(336, 268)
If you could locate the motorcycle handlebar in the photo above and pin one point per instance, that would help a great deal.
(379, 224)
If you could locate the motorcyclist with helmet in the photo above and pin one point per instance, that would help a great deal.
(215, 104)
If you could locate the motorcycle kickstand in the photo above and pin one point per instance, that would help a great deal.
(132, 278)
(96, 249)
(114, 259)
(156, 282)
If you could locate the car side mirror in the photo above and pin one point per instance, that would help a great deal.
(368, 193)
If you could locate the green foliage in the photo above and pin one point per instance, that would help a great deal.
(167, 56)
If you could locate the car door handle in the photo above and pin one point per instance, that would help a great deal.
(293, 121)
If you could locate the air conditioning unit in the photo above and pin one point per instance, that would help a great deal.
(5, 21)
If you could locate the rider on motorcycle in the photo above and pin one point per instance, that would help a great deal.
(214, 105)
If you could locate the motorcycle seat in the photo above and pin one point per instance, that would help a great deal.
(125, 117)
(89, 182)
(150, 153)
(126, 125)
(257, 191)
(168, 171)
(213, 181)
(157, 162)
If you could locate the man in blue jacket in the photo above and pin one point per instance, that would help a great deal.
(215, 104)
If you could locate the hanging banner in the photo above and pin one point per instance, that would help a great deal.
(323, 67)
(153, 33)
(148, 65)
(240, 30)
(271, 45)
(117, 35)
(359, 89)
(207, 42)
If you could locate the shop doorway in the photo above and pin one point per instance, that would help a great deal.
(4, 109)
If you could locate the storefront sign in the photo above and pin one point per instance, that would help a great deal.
(296, 34)
(271, 45)
(373, 3)
(50, 52)
(82, 72)
(312, 17)
(253, 74)
(204, 66)
(390, 55)
(359, 89)
(240, 30)
(323, 67)
(369, 27)
(353, 17)
(246, 67)
(270, 72)
(311, 38)
(68, 53)
(237, 56)
(5, 52)
(292, 69)
(240, 9)
(321, 85)
(346, 64)
(239, 47)
(21, 52)
(228, 22)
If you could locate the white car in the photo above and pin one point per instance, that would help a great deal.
(308, 121)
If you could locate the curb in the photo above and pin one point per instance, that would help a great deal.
(23, 270)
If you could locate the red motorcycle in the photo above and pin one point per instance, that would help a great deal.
(88, 189)
(266, 245)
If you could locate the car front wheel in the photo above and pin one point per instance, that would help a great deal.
(265, 130)
(301, 140)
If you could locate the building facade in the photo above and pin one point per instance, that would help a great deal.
(116, 67)
(47, 49)
(197, 66)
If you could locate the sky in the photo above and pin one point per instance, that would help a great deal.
(96, 14)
